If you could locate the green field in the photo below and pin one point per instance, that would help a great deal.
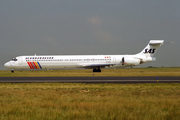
(59, 101)
(77, 101)
(88, 72)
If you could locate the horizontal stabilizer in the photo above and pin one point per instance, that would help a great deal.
(156, 42)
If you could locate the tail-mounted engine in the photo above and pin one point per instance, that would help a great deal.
(131, 61)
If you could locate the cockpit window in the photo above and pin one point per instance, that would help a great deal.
(14, 59)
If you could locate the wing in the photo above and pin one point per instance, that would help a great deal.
(88, 66)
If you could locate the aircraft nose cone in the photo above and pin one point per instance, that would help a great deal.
(7, 65)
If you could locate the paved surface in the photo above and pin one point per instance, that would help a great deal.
(90, 79)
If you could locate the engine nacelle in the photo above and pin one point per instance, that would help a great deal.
(130, 61)
(149, 59)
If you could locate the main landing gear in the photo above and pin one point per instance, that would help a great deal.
(12, 71)
(97, 70)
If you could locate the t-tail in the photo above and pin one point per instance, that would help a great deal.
(151, 48)
(146, 55)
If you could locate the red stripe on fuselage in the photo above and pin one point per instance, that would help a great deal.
(29, 65)
(35, 64)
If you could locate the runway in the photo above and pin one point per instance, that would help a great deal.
(89, 79)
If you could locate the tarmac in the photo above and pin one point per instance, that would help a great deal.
(122, 80)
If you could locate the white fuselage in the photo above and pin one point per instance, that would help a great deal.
(70, 61)
(95, 62)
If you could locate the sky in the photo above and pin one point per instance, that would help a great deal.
(89, 27)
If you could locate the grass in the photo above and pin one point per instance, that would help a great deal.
(88, 72)
(34, 101)
(77, 101)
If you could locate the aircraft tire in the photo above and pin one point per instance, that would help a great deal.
(96, 70)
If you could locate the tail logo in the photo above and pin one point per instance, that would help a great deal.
(151, 51)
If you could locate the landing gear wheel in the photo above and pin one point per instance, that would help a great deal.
(96, 70)
(12, 71)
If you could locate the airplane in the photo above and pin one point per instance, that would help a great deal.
(95, 62)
